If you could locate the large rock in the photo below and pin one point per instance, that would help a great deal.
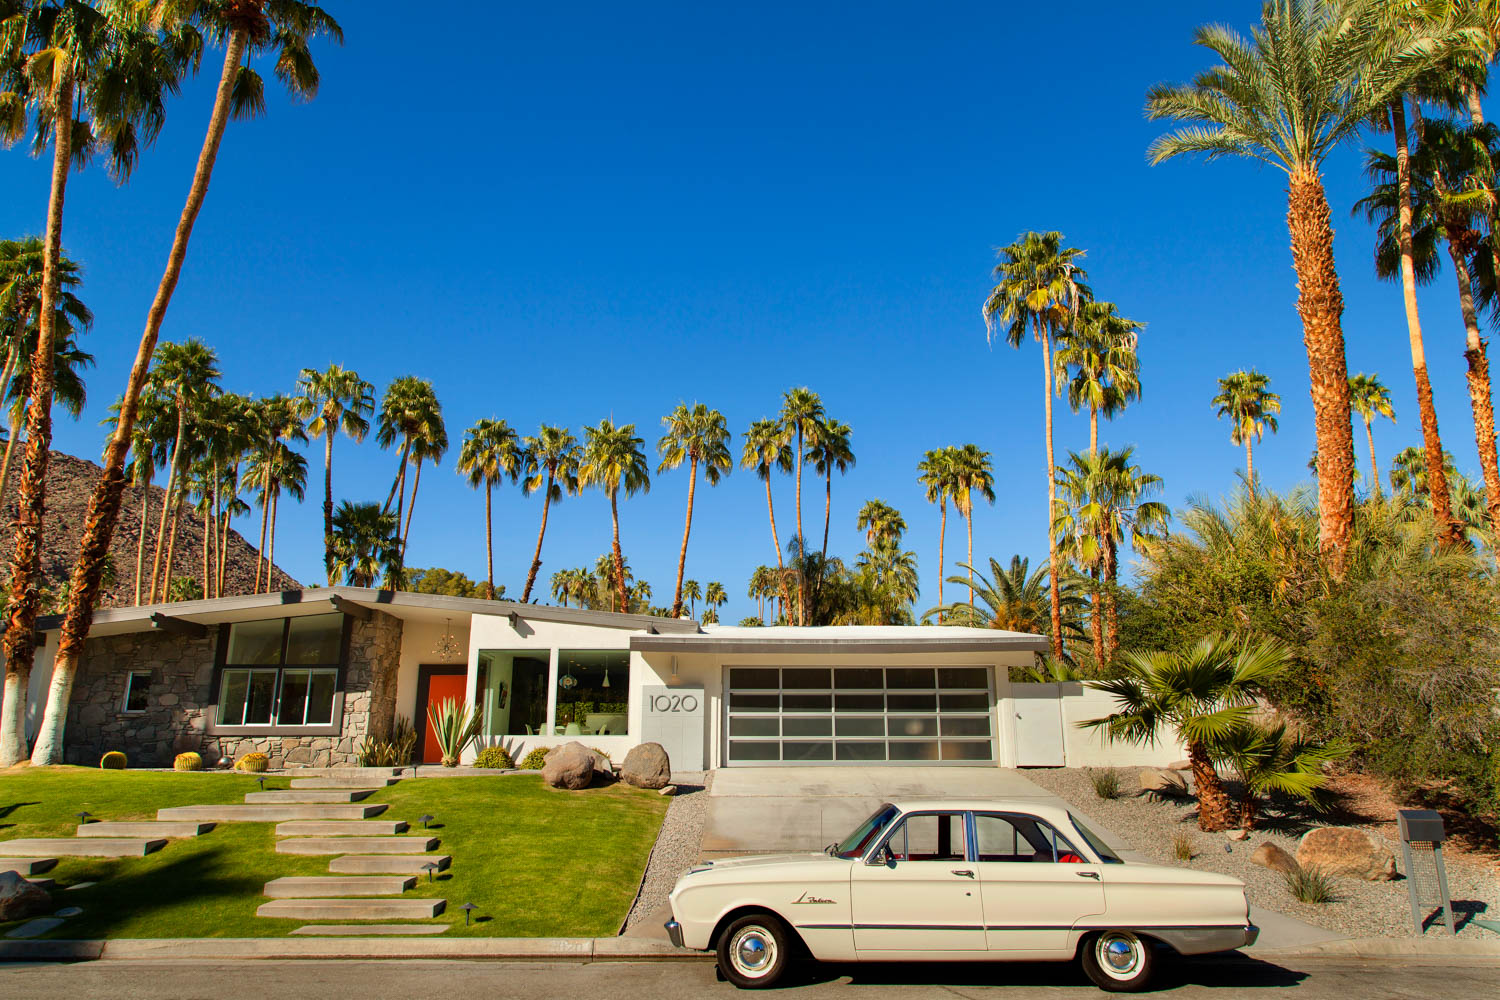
(19, 898)
(569, 766)
(1164, 782)
(602, 766)
(1343, 850)
(1270, 856)
(646, 766)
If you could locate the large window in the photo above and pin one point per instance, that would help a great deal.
(593, 692)
(512, 691)
(282, 672)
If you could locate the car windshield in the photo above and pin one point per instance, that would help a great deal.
(1105, 854)
(854, 845)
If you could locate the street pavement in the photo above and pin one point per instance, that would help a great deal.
(1303, 979)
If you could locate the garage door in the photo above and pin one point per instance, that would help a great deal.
(859, 715)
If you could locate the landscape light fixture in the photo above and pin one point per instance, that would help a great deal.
(430, 867)
(83, 817)
(468, 908)
(424, 819)
(262, 781)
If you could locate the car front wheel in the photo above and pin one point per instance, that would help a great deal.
(1119, 961)
(754, 951)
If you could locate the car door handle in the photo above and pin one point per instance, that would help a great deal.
(1092, 875)
(964, 872)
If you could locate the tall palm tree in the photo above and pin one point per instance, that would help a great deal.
(935, 473)
(1039, 289)
(801, 419)
(1100, 351)
(1246, 399)
(552, 467)
(246, 27)
(281, 470)
(330, 401)
(68, 390)
(614, 460)
(149, 450)
(698, 436)
(880, 521)
(1370, 399)
(766, 447)
(186, 373)
(491, 451)
(828, 454)
(887, 580)
(276, 419)
(430, 446)
(364, 543)
(972, 473)
(693, 591)
(762, 585)
(411, 415)
(715, 596)
(1309, 77)
(1014, 599)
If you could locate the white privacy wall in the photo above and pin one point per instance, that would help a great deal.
(1091, 748)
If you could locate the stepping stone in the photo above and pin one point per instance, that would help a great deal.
(27, 866)
(85, 847)
(32, 928)
(43, 883)
(322, 886)
(145, 828)
(310, 795)
(336, 828)
(369, 845)
(360, 930)
(352, 909)
(353, 781)
(69, 911)
(271, 813)
(79, 885)
(393, 864)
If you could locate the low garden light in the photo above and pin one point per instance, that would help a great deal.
(468, 908)
(262, 781)
(430, 867)
(424, 819)
(83, 817)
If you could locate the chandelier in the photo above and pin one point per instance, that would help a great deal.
(447, 647)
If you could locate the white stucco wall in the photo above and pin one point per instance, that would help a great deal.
(1091, 748)
(419, 639)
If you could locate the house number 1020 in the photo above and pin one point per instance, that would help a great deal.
(674, 703)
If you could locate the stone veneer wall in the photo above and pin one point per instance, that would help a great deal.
(178, 704)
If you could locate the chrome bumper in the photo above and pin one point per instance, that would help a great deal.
(674, 933)
(1205, 940)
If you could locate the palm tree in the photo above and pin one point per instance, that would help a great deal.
(1246, 399)
(1370, 399)
(972, 472)
(766, 447)
(801, 419)
(552, 467)
(186, 373)
(1100, 348)
(148, 450)
(490, 452)
(1201, 696)
(411, 414)
(1409, 472)
(830, 452)
(762, 585)
(364, 543)
(715, 596)
(936, 474)
(329, 401)
(247, 27)
(614, 460)
(1013, 599)
(886, 582)
(880, 521)
(1311, 75)
(276, 419)
(1039, 287)
(279, 469)
(67, 390)
(692, 590)
(698, 436)
(430, 445)
(1269, 760)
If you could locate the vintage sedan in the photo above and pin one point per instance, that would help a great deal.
(957, 881)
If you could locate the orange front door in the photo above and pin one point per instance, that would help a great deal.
(440, 688)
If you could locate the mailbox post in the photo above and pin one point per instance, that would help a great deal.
(1422, 836)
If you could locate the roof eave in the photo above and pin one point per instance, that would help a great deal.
(811, 645)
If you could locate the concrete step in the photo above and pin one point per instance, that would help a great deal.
(368, 845)
(392, 864)
(43, 883)
(145, 828)
(323, 886)
(309, 795)
(352, 909)
(83, 847)
(369, 930)
(343, 773)
(353, 781)
(27, 866)
(271, 813)
(335, 828)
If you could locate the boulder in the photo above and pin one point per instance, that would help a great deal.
(1268, 855)
(1164, 782)
(1181, 765)
(646, 766)
(1238, 834)
(602, 766)
(20, 899)
(1343, 850)
(569, 766)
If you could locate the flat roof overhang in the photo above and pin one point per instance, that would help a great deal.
(847, 645)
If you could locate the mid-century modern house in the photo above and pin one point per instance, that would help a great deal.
(308, 676)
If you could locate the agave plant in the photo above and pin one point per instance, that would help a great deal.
(454, 726)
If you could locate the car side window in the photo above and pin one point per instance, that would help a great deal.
(929, 837)
(1016, 837)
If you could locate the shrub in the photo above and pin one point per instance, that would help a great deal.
(1309, 884)
(113, 761)
(494, 757)
(534, 760)
(252, 762)
(187, 762)
(1182, 845)
(1106, 783)
(394, 752)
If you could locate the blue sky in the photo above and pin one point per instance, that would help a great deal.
(564, 213)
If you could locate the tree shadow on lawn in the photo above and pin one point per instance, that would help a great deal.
(5, 812)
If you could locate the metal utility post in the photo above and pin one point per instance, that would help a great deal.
(1422, 837)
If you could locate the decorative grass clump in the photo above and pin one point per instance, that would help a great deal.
(254, 762)
(1106, 783)
(1310, 884)
(534, 760)
(494, 757)
(113, 761)
(187, 762)
(1182, 846)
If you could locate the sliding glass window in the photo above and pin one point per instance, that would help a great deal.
(282, 672)
(512, 691)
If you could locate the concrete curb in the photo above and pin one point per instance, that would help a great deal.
(1386, 947)
(512, 949)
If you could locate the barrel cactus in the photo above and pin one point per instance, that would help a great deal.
(187, 762)
(113, 761)
(252, 762)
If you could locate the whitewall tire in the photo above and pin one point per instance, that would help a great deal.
(1119, 961)
(754, 951)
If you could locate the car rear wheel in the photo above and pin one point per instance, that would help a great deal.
(1119, 961)
(754, 951)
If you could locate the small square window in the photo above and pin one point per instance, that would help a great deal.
(137, 686)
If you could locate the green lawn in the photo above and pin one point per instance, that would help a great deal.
(536, 861)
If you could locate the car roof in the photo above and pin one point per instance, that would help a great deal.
(1036, 807)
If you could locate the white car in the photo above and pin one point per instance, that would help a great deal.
(957, 881)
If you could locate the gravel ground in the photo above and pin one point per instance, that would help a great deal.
(677, 844)
(1361, 909)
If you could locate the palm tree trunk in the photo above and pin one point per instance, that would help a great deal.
(942, 543)
(614, 514)
(271, 551)
(687, 528)
(1247, 809)
(1249, 463)
(166, 576)
(969, 526)
(1374, 467)
(1054, 571)
(1449, 531)
(26, 549)
(1481, 397)
(265, 516)
(536, 558)
(208, 535)
(400, 480)
(1215, 810)
(172, 477)
(1111, 618)
(416, 484)
(776, 542)
(10, 444)
(1094, 431)
(328, 501)
(104, 505)
(489, 547)
(801, 543)
(1320, 304)
(140, 542)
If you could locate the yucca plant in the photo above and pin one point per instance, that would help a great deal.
(454, 726)
(1269, 761)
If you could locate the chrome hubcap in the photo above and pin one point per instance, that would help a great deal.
(1119, 955)
(753, 951)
